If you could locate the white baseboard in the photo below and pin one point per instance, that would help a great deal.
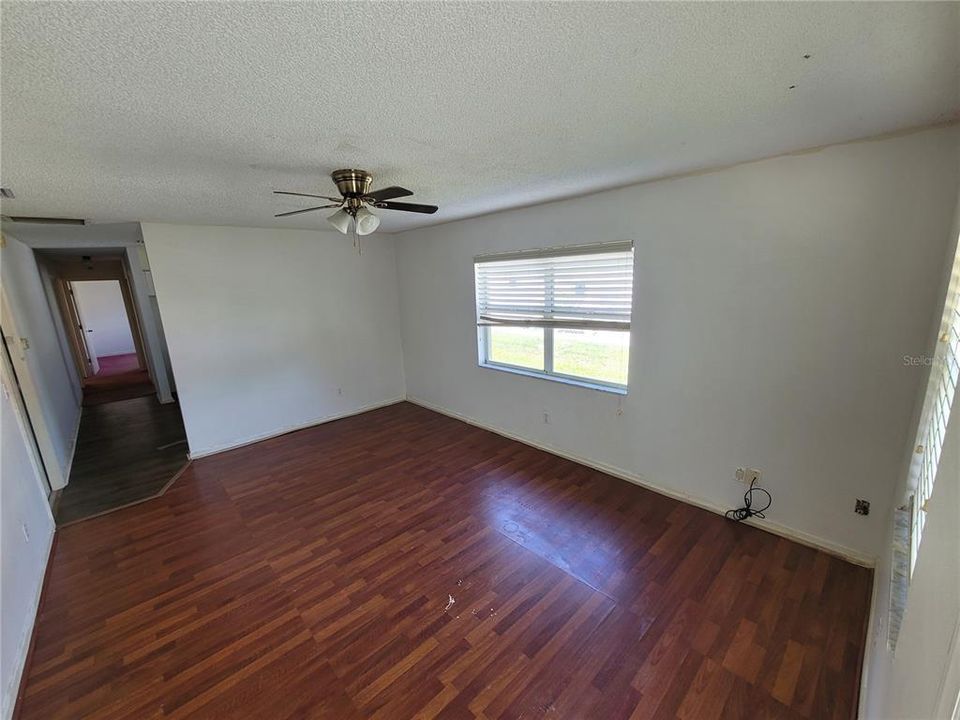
(23, 646)
(205, 452)
(799, 536)
(73, 449)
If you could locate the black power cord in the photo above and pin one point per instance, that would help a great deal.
(747, 510)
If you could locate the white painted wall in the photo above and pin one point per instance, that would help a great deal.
(59, 406)
(774, 302)
(101, 304)
(22, 503)
(49, 289)
(151, 327)
(270, 330)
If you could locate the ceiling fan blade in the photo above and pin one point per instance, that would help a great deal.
(389, 193)
(322, 197)
(408, 207)
(297, 212)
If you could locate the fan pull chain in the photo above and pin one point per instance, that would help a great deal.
(356, 238)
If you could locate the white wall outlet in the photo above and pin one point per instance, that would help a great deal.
(546, 418)
(747, 475)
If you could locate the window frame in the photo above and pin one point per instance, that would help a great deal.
(548, 372)
(483, 343)
(940, 401)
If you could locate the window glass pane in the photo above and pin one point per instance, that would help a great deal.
(516, 346)
(602, 355)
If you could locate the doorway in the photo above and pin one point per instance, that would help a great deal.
(129, 445)
(108, 333)
(102, 327)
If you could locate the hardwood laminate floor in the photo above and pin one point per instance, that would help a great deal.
(111, 387)
(126, 452)
(401, 564)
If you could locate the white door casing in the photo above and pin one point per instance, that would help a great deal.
(19, 355)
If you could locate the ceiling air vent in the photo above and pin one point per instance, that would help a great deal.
(44, 220)
(7, 193)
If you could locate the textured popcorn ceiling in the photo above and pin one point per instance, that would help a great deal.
(195, 112)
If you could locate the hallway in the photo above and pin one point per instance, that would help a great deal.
(107, 388)
(127, 451)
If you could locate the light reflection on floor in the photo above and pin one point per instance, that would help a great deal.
(567, 536)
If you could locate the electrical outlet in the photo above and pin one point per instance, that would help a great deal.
(862, 507)
(747, 475)
(546, 418)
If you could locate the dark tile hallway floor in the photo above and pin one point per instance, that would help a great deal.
(108, 388)
(126, 452)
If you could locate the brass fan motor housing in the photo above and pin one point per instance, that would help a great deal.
(352, 183)
(354, 188)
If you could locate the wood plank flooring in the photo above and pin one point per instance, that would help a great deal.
(126, 451)
(400, 564)
(108, 388)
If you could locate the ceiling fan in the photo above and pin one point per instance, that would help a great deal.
(356, 200)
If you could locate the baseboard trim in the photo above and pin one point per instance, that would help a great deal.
(31, 644)
(206, 452)
(841, 551)
(73, 451)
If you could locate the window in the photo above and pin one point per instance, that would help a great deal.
(910, 518)
(941, 391)
(562, 314)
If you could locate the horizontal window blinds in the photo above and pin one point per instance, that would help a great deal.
(939, 402)
(588, 287)
(944, 378)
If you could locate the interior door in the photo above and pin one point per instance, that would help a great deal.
(85, 333)
(134, 320)
(71, 325)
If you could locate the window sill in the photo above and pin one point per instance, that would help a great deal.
(563, 379)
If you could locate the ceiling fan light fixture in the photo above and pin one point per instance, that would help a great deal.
(355, 201)
(340, 220)
(366, 221)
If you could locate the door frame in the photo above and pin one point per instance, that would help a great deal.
(14, 390)
(67, 270)
(15, 343)
(73, 324)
